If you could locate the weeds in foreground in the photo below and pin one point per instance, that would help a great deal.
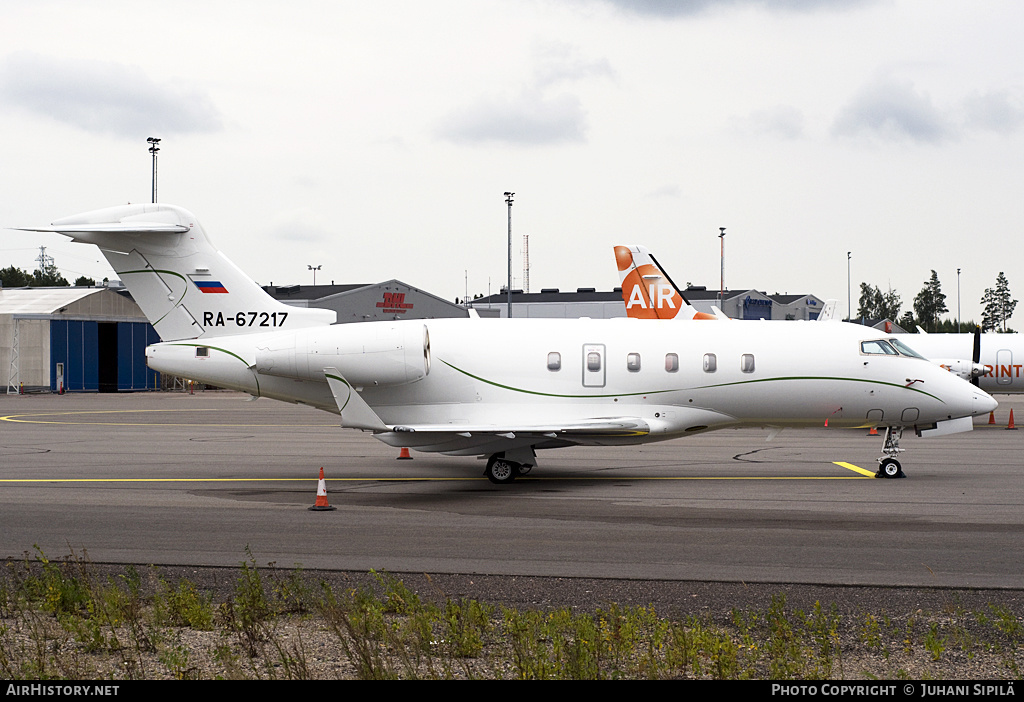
(60, 621)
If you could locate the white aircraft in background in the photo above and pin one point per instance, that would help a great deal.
(505, 388)
(986, 360)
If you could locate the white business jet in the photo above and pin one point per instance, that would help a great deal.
(504, 388)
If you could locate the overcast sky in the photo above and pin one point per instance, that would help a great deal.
(375, 139)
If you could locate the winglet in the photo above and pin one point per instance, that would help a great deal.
(828, 313)
(354, 411)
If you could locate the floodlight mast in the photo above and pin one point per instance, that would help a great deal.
(154, 147)
(721, 293)
(508, 290)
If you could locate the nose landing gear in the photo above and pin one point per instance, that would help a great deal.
(888, 466)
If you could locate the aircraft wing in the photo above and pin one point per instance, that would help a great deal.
(357, 414)
(599, 426)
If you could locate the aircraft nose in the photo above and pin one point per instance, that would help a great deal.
(983, 403)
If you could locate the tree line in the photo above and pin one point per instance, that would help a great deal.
(47, 277)
(930, 304)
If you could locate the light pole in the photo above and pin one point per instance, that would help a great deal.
(721, 292)
(314, 272)
(849, 300)
(154, 147)
(508, 290)
(959, 327)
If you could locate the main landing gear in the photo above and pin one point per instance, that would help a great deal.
(888, 466)
(501, 470)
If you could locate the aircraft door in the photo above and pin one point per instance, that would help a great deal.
(593, 365)
(1004, 367)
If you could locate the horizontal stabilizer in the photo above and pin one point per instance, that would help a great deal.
(111, 228)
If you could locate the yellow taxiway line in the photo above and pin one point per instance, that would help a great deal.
(855, 469)
(426, 479)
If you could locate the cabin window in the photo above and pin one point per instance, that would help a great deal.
(710, 363)
(633, 362)
(878, 347)
(554, 361)
(671, 362)
(593, 361)
(202, 351)
(747, 363)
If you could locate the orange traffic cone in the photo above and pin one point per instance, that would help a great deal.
(321, 495)
(404, 455)
(873, 432)
(991, 417)
(1010, 425)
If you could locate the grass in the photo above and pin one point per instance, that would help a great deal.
(59, 620)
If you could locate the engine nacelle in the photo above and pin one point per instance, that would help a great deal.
(368, 354)
(962, 367)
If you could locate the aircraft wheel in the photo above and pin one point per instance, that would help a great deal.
(500, 470)
(890, 468)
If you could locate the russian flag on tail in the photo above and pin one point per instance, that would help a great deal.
(210, 286)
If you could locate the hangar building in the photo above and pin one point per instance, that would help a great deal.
(78, 339)
(389, 300)
(588, 302)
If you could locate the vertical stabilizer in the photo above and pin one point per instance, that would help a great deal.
(186, 287)
(647, 290)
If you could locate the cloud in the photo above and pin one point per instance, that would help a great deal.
(300, 225)
(893, 110)
(529, 118)
(105, 98)
(999, 111)
(665, 191)
(687, 8)
(536, 114)
(558, 63)
(781, 121)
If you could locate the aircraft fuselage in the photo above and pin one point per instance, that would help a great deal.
(678, 377)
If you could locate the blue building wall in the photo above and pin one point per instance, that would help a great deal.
(75, 343)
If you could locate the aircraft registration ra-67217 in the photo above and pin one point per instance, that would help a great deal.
(987, 360)
(505, 388)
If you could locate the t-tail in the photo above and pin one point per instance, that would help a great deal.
(185, 286)
(648, 291)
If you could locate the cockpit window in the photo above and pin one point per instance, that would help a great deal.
(904, 349)
(878, 347)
